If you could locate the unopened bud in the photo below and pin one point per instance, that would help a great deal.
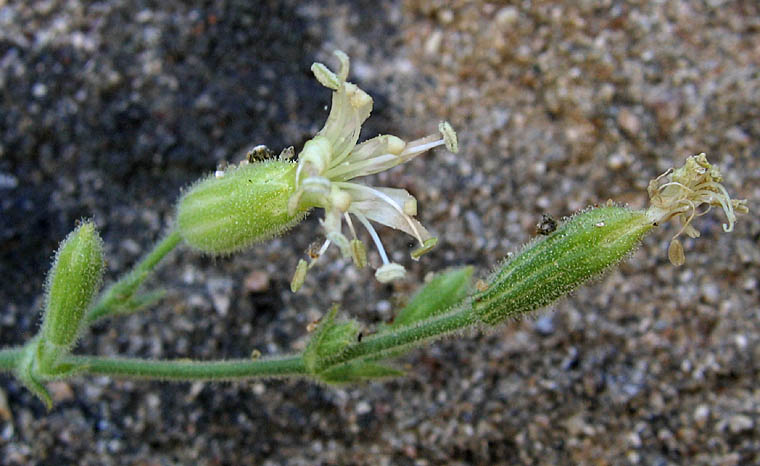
(71, 285)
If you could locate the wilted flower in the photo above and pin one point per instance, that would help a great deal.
(332, 158)
(681, 192)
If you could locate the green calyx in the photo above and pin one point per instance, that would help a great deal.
(231, 210)
(71, 285)
(583, 247)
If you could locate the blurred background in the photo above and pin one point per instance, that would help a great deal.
(108, 109)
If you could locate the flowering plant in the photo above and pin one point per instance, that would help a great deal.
(256, 200)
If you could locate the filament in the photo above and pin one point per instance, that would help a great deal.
(374, 236)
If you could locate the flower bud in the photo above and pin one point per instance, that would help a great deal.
(231, 210)
(552, 266)
(71, 285)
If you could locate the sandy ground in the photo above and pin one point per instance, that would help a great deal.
(108, 108)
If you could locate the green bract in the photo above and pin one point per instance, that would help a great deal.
(552, 266)
(231, 210)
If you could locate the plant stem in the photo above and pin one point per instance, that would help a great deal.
(373, 347)
(9, 358)
(392, 342)
(382, 345)
(233, 369)
(121, 291)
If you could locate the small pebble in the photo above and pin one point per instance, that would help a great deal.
(220, 290)
(60, 391)
(7, 181)
(629, 121)
(257, 282)
(740, 423)
(39, 90)
(363, 407)
(701, 415)
(545, 324)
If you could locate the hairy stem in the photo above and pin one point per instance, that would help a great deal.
(392, 342)
(123, 290)
(374, 347)
(232, 369)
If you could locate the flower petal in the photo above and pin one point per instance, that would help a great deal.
(384, 214)
(391, 207)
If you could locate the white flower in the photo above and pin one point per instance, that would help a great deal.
(329, 161)
(680, 193)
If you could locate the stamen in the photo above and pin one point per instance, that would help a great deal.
(358, 253)
(384, 197)
(321, 251)
(675, 253)
(429, 244)
(725, 203)
(350, 224)
(706, 211)
(340, 241)
(389, 272)
(350, 170)
(667, 172)
(413, 150)
(687, 222)
(675, 183)
(299, 276)
(449, 136)
(375, 238)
